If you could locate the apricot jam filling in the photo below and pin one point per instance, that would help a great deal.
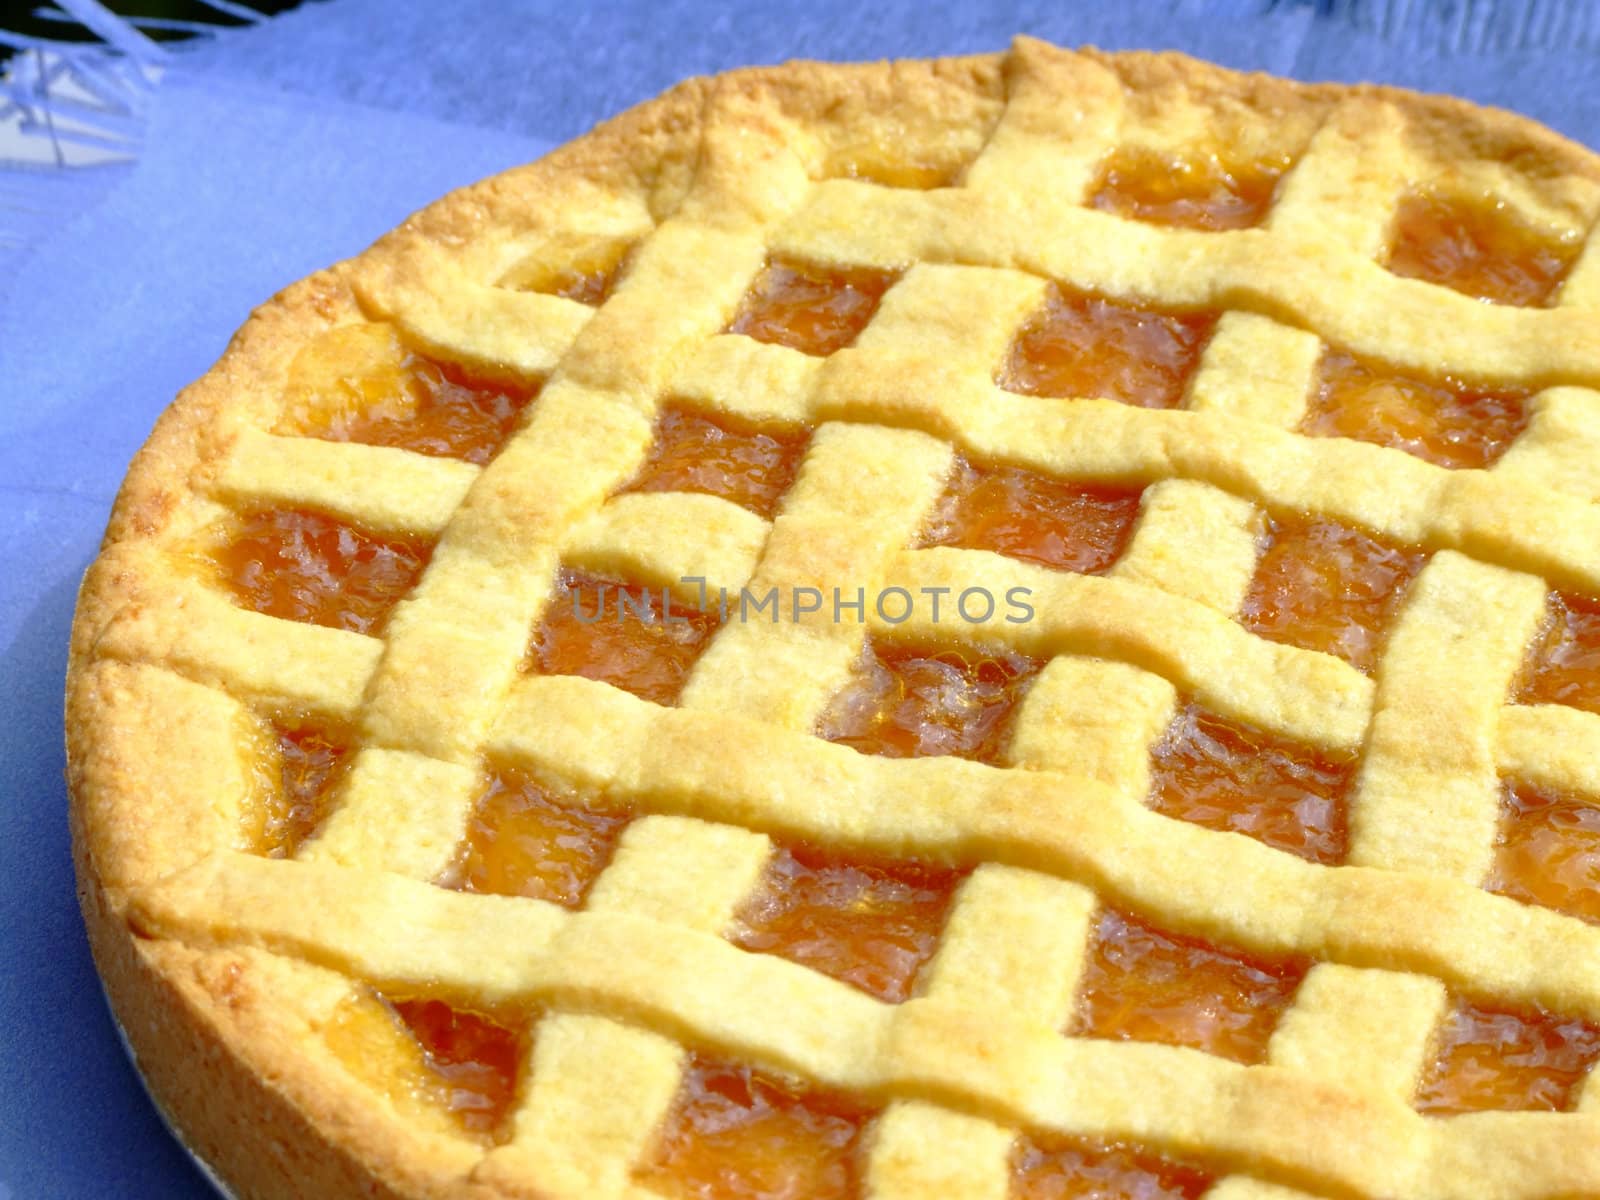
(619, 633)
(414, 403)
(1477, 248)
(588, 283)
(1197, 192)
(695, 452)
(1082, 347)
(529, 838)
(475, 1059)
(815, 310)
(910, 702)
(1238, 779)
(1563, 664)
(896, 171)
(871, 924)
(1034, 517)
(1492, 1058)
(1061, 1168)
(587, 270)
(304, 566)
(1449, 423)
(1143, 984)
(1323, 585)
(310, 759)
(1548, 851)
(736, 1134)
(464, 1063)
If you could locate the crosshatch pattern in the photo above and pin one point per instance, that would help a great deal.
(1380, 932)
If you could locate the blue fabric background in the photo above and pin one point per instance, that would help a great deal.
(275, 150)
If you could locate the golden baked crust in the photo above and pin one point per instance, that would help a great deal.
(224, 966)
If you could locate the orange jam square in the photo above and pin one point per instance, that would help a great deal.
(1237, 779)
(1088, 347)
(473, 1061)
(1323, 585)
(1448, 423)
(589, 273)
(1037, 518)
(910, 702)
(815, 310)
(1196, 192)
(871, 924)
(1563, 664)
(466, 1064)
(1493, 1058)
(896, 172)
(591, 285)
(619, 633)
(1548, 851)
(719, 456)
(304, 566)
(735, 1133)
(1478, 248)
(1143, 984)
(528, 838)
(423, 406)
(311, 757)
(1062, 1168)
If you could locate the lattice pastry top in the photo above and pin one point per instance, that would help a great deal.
(1001, 626)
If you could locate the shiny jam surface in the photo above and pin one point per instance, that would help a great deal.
(1084, 346)
(1563, 665)
(1034, 517)
(304, 566)
(311, 759)
(1488, 1058)
(462, 1063)
(587, 273)
(529, 839)
(1200, 192)
(473, 1059)
(907, 702)
(811, 309)
(736, 1134)
(1548, 852)
(1477, 248)
(898, 172)
(620, 634)
(869, 924)
(591, 285)
(1143, 984)
(1323, 585)
(1077, 1169)
(694, 452)
(1242, 780)
(1449, 424)
(424, 406)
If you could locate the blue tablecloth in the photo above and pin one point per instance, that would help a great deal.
(277, 149)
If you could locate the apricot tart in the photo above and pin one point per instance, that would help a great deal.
(1013, 626)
